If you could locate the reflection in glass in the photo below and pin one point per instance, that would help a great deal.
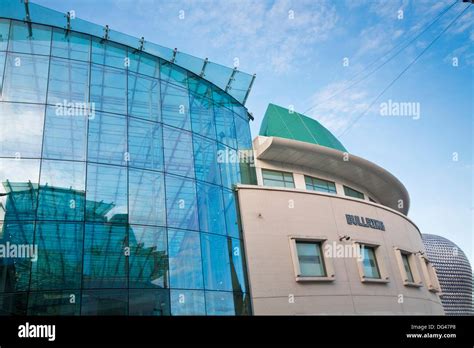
(146, 198)
(107, 139)
(21, 130)
(219, 303)
(149, 302)
(178, 147)
(145, 144)
(21, 41)
(61, 193)
(148, 257)
(65, 137)
(104, 302)
(181, 203)
(71, 46)
(105, 263)
(106, 192)
(211, 208)
(26, 78)
(185, 259)
(19, 189)
(68, 83)
(108, 89)
(53, 303)
(144, 97)
(59, 264)
(216, 265)
(205, 160)
(187, 302)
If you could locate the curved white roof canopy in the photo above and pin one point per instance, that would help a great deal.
(385, 187)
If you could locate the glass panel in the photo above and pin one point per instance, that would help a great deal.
(4, 33)
(231, 218)
(185, 265)
(53, 303)
(68, 84)
(19, 180)
(371, 269)
(108, 89)
(106, 193)
(144, 64)
(178, 151)
(61, 195)
(187, 302)
(242, 303)
(219, 303)
(71, 46)
(202, 110)
(21, 128)
(216, 264)
(145, 144)
(109, 53)
(174, 96)
(144, 97)
(148, 257)
(104, 302)
(65, 136)
(237, 265)
(353, 193)
(205, 160)
(15, 271)
(146, 198)
(59, 264)
(229, 166)
(271, 175)
(310, 259)
(211, 208)
(149, 302)
(406, 264)
(13, 304)
(107, 139)
(105, 263)
(36, 42)
(25, 78)
(181, 203)
(3, 57)
(225, 126)
(244, 139)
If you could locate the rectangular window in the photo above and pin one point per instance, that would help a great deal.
(406, 265)
(430, 275)
(277, 179)
(320, 185)
(310, 259)
(369, 262)
(353, 193)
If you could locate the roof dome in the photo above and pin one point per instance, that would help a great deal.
(283, 123)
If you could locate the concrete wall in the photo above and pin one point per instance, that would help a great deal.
(270, 216)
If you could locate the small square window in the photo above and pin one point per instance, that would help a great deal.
(350, 192)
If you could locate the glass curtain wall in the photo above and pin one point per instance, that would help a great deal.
(109, 171)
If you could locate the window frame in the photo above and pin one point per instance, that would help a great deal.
(380, 262)
(327, 262)
(429, 273)
(282, 175)
(346, 188)
(313, 179)
(399, 254)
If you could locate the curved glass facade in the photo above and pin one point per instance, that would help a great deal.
(109, 166)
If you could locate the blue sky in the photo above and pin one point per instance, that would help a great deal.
(297, 49)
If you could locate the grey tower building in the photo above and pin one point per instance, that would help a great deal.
(454, 274)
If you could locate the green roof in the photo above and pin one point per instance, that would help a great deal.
(281, 122)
